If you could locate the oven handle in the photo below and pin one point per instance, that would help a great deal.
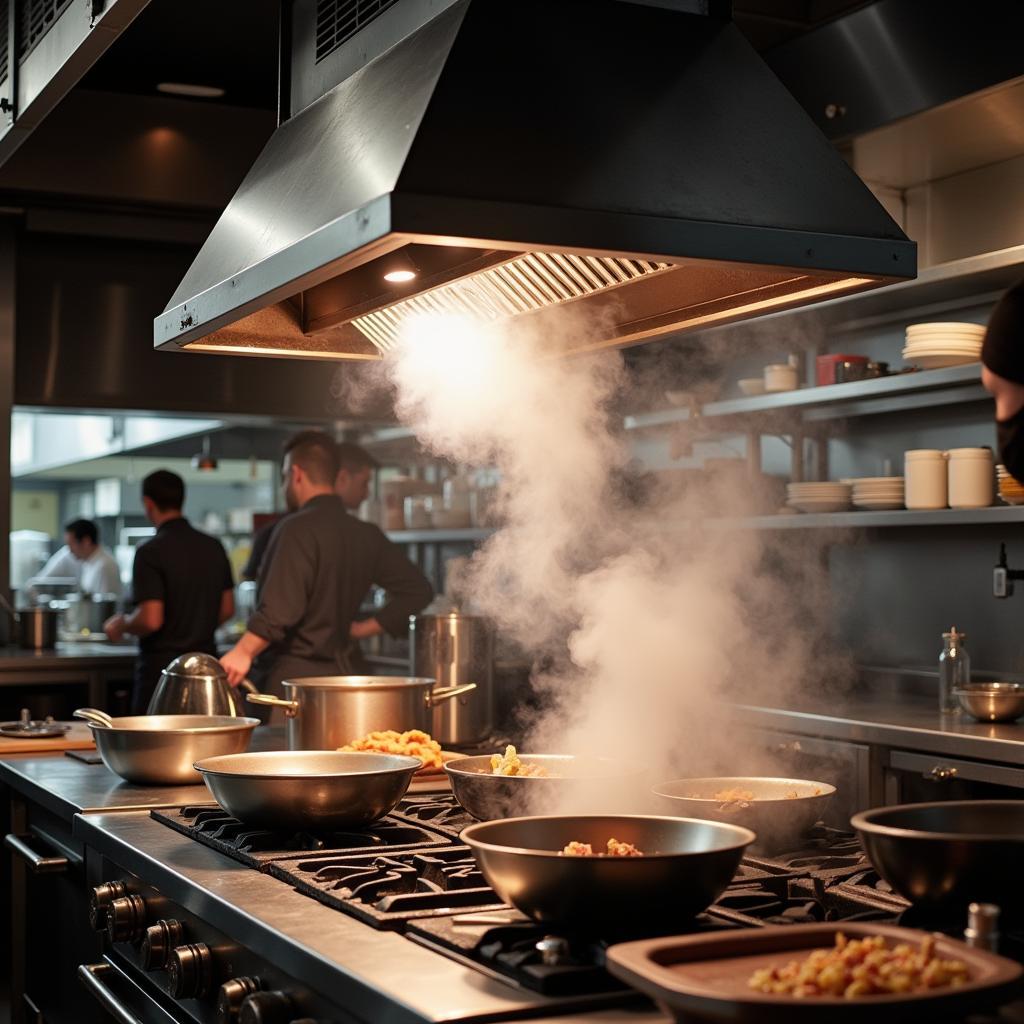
(91, 976)
(38, 863)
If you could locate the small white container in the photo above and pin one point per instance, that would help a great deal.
(780, 377)
(971, 472)
(925, 479)
(417, 513)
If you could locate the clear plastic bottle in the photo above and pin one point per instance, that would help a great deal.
(954, 670)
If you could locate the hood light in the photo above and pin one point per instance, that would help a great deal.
(204, 92)
(400, 276)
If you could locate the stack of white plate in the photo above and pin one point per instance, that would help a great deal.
(946, 344)
(878, 492)
(826, 496)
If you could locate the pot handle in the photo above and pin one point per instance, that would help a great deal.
(291, 707)
(439, 696)
(248, 685)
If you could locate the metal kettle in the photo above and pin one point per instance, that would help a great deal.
(196, 684)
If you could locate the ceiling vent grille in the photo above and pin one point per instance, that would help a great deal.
(4, 15)
(339, 20)
(37, 18)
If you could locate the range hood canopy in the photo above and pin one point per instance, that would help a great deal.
(513, 157)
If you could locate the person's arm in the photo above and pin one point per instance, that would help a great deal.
(287, 582)
(148, 591)
(408, 590)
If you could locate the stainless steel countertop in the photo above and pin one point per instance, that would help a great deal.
(86, 654)
(377, 975)
(910, 723)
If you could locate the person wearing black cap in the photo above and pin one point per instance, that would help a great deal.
(1002, 373)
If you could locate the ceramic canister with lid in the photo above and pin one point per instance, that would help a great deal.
(925, 478)
(971, 477)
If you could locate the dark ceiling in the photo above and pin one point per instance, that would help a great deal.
(232, 44)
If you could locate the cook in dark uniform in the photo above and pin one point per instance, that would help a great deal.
(318, 568)
(182, 586)
(1002, 373)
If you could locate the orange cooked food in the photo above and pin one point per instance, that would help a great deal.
(855, 968)
(614, 848)
(510, 764)
(413, 743)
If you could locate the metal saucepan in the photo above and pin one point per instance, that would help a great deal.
(946, 855)
(780, 811)
(159, 750)
(34, 628)
(308, 789)
(572, 783)
(326, 712)
(686, 866)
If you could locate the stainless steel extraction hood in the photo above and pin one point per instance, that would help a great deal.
(514, 157)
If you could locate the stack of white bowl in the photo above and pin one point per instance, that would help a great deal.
(823, 496)
(943, 344)
(877, 492)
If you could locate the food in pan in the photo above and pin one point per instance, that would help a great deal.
(744, 796)
(614, 848)
(413, 743)
(862, 967)
(509, 764)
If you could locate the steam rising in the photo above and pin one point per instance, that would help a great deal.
(636, 610)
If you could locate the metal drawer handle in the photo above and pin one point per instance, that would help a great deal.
(91, 976)
(941, 772)
(38, 863)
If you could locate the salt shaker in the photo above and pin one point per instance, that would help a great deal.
(954, 670)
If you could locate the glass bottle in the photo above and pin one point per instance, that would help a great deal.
(954, 670)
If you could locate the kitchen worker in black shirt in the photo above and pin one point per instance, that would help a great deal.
(1002, 373)
(319, 566)
(182, 586)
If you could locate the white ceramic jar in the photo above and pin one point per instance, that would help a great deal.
(971, 477)
(780, 377)
(925, 478)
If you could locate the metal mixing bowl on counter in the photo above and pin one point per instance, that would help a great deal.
(567, 783)
(686, 865)
(992, 702)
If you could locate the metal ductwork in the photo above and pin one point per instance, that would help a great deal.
(631, 160)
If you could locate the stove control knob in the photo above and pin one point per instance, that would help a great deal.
(126, 919)
(102, 897)
(230, 997)
(267, 1008)
(189, 971)
(157, 942)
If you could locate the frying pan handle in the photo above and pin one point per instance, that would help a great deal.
(291, 707)
(439, 696)
(248, 685)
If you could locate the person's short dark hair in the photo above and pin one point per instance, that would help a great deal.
(81, 529)
(353, 458)
(165, 489)
(316, 453)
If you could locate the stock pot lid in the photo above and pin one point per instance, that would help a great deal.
(195, 665)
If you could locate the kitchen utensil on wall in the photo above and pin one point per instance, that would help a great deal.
(456, 649)
(954, 670)
(159, 750)
(970, 472)
(326, 712)
(308, 790)
(943, 856)
(780, 811)
(925, 479)
(687, 864)
(196, 684)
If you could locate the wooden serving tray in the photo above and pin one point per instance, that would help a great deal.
(705, 976)
(434, 780)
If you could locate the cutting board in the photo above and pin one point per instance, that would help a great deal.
(78, 738)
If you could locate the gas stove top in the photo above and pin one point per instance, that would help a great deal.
(408, 873)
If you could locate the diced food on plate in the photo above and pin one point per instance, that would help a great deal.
(414, 743)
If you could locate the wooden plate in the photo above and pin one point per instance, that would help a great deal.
(434, 780)
(705, 976)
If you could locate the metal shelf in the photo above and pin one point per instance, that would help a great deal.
(996, 515)
(468, 535)
(946, 386)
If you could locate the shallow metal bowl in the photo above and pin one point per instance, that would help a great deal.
(160, 750)
(779, 819)
(308, 789)
(686, 866)
(946, 855)
(992, 702)
(572, 783)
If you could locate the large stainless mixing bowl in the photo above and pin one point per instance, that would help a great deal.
(308, 789)
(992, 702)
(160, 750)
(572, 783)
(687, 865)
(946, 855)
